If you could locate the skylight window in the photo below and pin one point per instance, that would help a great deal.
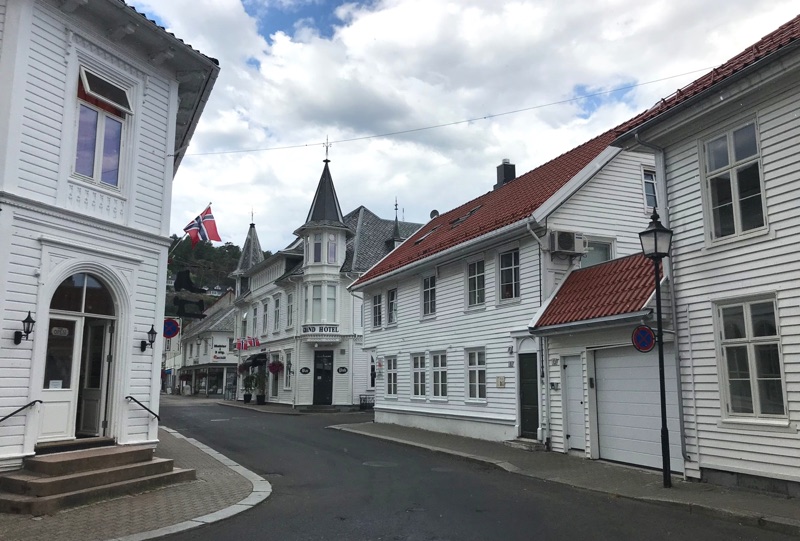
(423, 237)
(454, 223)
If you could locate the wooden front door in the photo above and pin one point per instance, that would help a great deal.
(529, 395)
(323, 378)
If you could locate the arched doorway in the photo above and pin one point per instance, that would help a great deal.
(80, 340)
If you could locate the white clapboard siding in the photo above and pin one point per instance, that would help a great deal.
(2, 21)
(758, 265)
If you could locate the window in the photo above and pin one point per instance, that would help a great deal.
(418, 364)
(391, 306)
(391, 376)
(331, 248)
(650, 198)
(371, 372)
(289, 309)
(265, 323)
(255, 320)
(598, 253)
(205, 346)
(276, 317)
(733, 182)
(476, 375)
(330, 306)
(509, 275)
(439, 365)
(475, 283)
(429, 295)
(316, 304)
(287, 370)
(376, 312)
(318, 248)
(751, 353)
(102, 110)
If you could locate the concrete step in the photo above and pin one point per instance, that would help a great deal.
(526, 444)
(88, 459)
(45, 505)
(77, 444)
(30, 483)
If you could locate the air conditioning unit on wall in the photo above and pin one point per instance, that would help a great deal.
(567, 242)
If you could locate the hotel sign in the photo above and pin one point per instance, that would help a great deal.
(320, 329)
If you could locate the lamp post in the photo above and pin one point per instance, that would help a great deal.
(656, 241)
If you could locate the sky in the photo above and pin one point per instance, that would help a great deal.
(421, 100)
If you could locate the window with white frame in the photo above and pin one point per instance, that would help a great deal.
(287, 370)
(429, 295)
(377, 322)
(439, 367)
(509, 275)
(391, 306)
(750, 348)
(330, 305)
(650, 197)
(205, 346)
(418, 367)
(476, 375)
(103, 110)
(391, 376)
(276, 315)
(289, 309)
(255, 321)
(316, 303)
(733, 182)
(475, 283)
(265, 322)
(318, 248)
(332, 248)
(598, 252)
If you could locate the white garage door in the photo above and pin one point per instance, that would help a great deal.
(629, 407)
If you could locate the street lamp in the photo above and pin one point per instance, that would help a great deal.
(656, 241)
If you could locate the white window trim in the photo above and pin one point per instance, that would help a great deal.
(604, 240)
(379, 305)
(467, 369)
(390, 323)
(434, 371)
(430, 315)
(290, 314)
(396, 377)
(422, 372)
(499, 274)
(648, 210)
(287, 375)
(276, 313)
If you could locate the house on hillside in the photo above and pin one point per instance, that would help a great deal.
(296, 304)
(448, 310)
(97, 107)
(726, 147)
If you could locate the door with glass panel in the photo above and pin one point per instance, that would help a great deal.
(96, 342)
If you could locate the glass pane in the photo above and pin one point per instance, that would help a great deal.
(733, 322)
(770, 397)
(93, 355)
(721, 190)
(479, 299)
(749, 180)
(750, 197)
(111, 144)
(87, 141)
(69, 295)
(752, 213)
(738, 368)
(717, 153)
(768, 361)
(744, 142)
(58, 358)
(98, 298)
(650, 195)
(763, 319)
(741, 396)
(598, 253)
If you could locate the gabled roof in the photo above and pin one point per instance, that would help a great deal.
(374, 238)
(511, 203)
(325, 210)
(616, 287)
(251, 255)
(770, 44)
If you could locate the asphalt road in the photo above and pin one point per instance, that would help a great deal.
(334, 485)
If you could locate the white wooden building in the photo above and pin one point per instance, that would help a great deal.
(727, 149)
(297, 303)
(447, 312)
(97, 107)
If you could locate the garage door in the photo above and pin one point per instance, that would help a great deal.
(629, 407)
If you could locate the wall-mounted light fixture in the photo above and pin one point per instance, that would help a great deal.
(27, 329)
(510, 350)
(151, 338)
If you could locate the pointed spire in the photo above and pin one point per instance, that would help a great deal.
(396, 230)
(325, 210)
(252, 254)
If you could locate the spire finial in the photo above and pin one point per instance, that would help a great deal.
(252, 220)
(395, 207)
(327, 145)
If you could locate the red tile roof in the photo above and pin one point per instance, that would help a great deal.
(620, 286)
(506, 205)
(769, 44)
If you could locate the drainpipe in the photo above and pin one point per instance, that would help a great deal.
(544, 364)
(661, 172)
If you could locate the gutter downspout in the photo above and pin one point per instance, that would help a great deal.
(544, 364)
(661, 172)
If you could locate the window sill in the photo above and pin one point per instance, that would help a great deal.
(716, 245)
(770, 425)
(475, 402)
(419, 398)
(439, 400)
(92, 183)
(390, 397)
(506, 302)
(391, 326)
(428, 317)
(476, 308)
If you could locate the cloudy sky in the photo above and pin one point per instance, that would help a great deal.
(422, 99)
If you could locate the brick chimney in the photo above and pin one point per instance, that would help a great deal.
(505, 171)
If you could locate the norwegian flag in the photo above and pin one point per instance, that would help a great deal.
(204, 227)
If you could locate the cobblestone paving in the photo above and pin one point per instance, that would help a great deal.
(216, 487)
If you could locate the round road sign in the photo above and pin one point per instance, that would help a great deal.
(171, 328)
(643, 338)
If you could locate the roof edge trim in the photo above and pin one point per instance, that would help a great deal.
(591, 324)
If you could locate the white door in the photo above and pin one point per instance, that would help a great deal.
(629, 407)
(96, 338)
(574, 413)
(62, 365)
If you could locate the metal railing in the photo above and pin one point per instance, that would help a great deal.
(154, 414)
(13, 413)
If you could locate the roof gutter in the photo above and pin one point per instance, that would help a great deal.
(589, 324)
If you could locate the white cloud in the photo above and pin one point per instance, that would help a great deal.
(395, 65)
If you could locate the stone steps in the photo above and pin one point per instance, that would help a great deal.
(56, 481)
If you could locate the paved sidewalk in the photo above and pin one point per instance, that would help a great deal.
(768, 511)
(223, 488)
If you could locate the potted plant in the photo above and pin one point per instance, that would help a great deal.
(261, 386)
(248, 384)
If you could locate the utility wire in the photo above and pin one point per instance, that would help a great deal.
(447, 124)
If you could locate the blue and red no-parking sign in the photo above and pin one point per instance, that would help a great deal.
(643, 338)
(171, 327)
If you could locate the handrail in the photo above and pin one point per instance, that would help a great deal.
(154, 414)
(29, 404)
